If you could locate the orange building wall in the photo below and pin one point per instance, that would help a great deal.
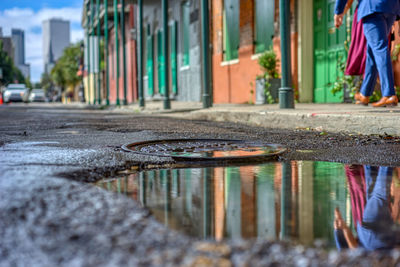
(235, 83)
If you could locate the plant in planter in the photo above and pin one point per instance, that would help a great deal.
(267, 85)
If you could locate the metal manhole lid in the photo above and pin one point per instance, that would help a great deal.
(206, 149)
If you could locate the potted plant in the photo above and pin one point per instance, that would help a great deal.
(267, 85)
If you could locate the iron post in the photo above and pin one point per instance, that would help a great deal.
(93, 50)
(106, 52)
(98, 52)
(116, 48)
(167, 102)
(123, 50)
(88, 53)
(140, 53)
(286, 96)
(207, 90)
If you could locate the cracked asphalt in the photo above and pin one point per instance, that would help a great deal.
(51, 214)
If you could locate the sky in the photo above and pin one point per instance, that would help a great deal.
(28, 16)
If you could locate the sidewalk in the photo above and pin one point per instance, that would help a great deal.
(349, 118)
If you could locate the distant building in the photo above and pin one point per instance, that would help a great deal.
(18, 39)
(56, 37)
(1, 32)
(25, 69)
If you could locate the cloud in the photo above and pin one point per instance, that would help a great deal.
(31, 22)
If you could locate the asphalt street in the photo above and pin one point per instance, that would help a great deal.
(51, 214)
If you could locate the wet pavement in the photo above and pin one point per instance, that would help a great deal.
(51, 216)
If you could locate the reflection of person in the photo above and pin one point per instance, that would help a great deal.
(377, 18)
(376, 228)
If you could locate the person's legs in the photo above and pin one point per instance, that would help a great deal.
(376, 211)
(370, 74)
(376, 30)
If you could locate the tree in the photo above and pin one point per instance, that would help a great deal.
(65, 71)
(46, 82)
(11, 73)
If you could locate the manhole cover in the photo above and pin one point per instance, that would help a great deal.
(206, 149)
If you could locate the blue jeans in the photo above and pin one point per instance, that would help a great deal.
(376, 30)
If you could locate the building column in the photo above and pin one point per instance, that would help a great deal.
(88, 53)
(306, 52)
(286, 95)
(98, 52)
(106, 52)
(140, 53)
(167, 102)
(125, 101)
(205, 32)
(93, 50)
(116, 49)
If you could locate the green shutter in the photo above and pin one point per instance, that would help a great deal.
(264, 20)
(231, 28)
(173, 27)
(185, 33)
(150, 65)
(233, 203)
(160, 64)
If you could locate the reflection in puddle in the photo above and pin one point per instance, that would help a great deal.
(294, 201)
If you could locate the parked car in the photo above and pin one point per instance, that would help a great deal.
(14, 93)
(37, 95)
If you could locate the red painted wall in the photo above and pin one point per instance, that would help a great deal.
(130, 48)
(235, 83)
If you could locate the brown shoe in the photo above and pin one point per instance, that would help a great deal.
(360, 99)
(386, 101)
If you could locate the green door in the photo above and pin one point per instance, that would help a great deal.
(328, 50)
(160, 64)
(150, 64)
(174, 80)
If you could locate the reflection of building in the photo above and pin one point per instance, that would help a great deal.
(56, 37)
(269, 201)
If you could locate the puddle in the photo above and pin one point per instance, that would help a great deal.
(281, 201)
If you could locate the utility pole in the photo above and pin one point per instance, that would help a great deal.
(167, 102)
(140, 53)
(286, 96)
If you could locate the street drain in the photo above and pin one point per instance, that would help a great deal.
(207, 149)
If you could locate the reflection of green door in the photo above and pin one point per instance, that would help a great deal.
(265, 196)
(328, 50)
(173, 30)
(329, 192)
(160, 64)
(150, 64)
